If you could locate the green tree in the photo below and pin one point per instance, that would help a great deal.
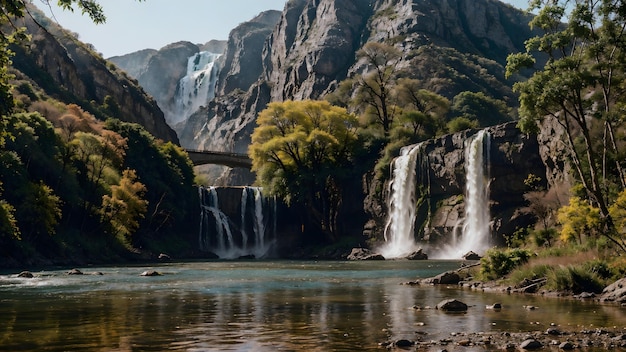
(375, 87)
(461, 123)
(167, 173)
(302, 152)
(581, 87)
(476, 106)
(424, 112)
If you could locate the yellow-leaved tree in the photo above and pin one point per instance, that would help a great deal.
(126, 204)
(302, 152)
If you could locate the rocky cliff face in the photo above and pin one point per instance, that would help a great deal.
(450, 45)
(441, 179)
(69, 71)
(160, 71)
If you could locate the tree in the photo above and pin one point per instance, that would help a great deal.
(476, 106)
(126, 205)
(578, 219)
(581, 87)
(302, 152)
(424, 112)
(376, 86)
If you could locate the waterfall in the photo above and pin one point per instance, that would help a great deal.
(259, 225)
(476, 223)
(209, 205)
(197, 87)
(399, 231)
(254, 235)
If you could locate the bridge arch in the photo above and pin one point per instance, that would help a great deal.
(202, 157)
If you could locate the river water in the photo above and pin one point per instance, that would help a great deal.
(260, 306)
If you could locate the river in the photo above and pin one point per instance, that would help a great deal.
(260, 306)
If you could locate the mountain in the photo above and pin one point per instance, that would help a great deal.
(70, 71)
(159, 72)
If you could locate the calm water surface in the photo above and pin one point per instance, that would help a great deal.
(259, 306)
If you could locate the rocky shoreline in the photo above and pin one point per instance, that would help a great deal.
(554, 338)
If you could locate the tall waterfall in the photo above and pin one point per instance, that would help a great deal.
(476, 223)
(197, 87)
(251, 231)
(399, 231)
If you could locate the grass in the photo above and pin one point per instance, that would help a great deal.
(569, 270)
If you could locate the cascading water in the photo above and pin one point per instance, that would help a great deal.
(250, 237)
(399, 231)
(209, 205)
(197, 87)
(476, 223)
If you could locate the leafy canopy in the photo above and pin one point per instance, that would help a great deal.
(295, 142)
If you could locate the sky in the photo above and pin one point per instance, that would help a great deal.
(151, 24)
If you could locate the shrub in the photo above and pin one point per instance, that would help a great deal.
(575, 279)
(497, 263)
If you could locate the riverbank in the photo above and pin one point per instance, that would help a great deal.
(547, 335)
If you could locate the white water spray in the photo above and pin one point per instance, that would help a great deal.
(197, 87)
(476, 223)
(399, 231)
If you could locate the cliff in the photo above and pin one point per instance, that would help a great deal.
(451, 46)
(70, 71)
(160, 71)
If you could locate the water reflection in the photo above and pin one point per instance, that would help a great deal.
(259, 306)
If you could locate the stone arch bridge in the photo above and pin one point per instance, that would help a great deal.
(202, 157)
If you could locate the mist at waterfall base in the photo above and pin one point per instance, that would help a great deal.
(475, 227)
(251, 234)
(196, 88)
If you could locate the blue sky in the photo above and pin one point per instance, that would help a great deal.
(133, 25)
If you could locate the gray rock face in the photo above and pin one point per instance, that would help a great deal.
(158, 72)
(513, 156)
(313, 46)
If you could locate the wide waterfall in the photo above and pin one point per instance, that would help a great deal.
(399, 231)
(197, 87)
(476, 223)
(248, 230)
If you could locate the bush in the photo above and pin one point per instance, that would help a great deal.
(575, 279)
(497, 263)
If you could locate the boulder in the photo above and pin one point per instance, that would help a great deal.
(364, 254)
(447, 278)
(26, 274)
(150, 273)
(615, 292)
(566, 346)
(530, 344)
(452, 305)
(74, 272)
(471, 256)
(494, 306)
(417, 255)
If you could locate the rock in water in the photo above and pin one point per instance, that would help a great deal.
(74, 272)
(417, 255)
(471, 256)
(150, 273)
(364, 254)
(452, 305)
(26, 274)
